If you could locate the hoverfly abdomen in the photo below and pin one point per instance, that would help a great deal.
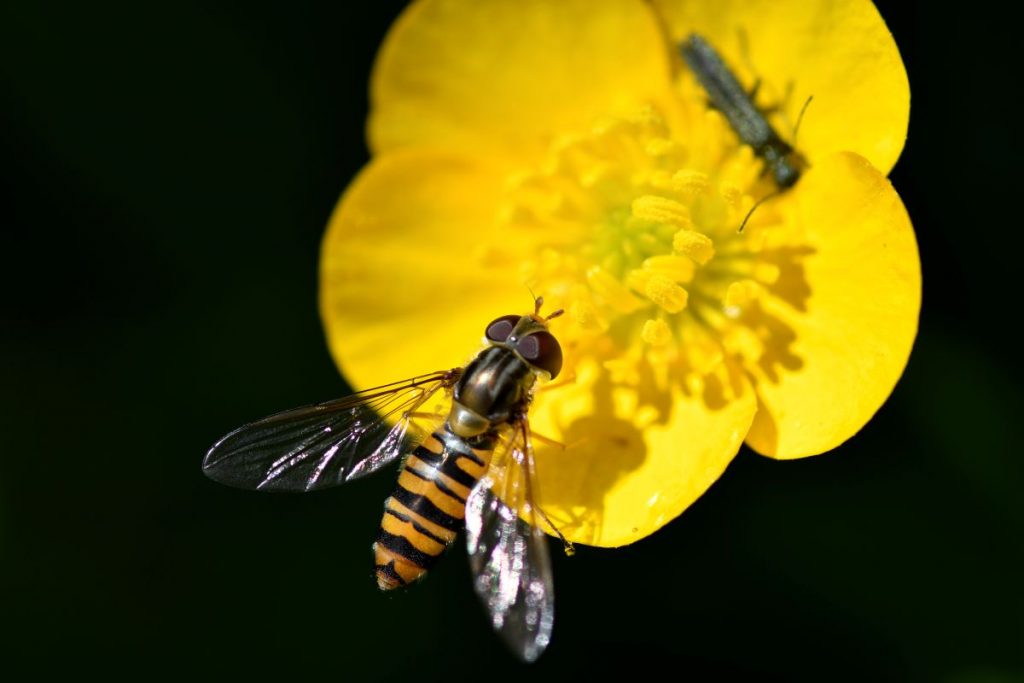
(428, 506)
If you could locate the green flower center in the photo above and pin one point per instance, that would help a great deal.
(637, 231)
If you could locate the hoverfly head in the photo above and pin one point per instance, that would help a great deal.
(528, 336)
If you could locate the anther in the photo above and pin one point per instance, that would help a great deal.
(656, 332)
(585, 314)
(739, 294)
(665, 293)
(677, 268)
(697, 246)
(731, 194)
(661, 210)
(691, 183)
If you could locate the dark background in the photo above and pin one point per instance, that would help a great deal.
(169, 169)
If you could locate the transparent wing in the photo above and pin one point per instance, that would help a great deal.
(326, 444)
(508, 551)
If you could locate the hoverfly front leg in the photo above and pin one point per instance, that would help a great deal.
(528, 437)
(567, 545)
(421, 415)
(569, 379)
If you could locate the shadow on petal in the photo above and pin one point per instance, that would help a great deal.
(854, 323)
(791, 285)
(776, 339)
(639, 449)
(600, 449)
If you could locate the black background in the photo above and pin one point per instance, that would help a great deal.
(168, 171)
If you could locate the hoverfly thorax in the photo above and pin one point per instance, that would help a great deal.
(499, 380)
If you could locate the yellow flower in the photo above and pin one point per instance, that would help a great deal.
(563, 146)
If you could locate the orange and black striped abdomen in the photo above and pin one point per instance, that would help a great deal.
(427, 508)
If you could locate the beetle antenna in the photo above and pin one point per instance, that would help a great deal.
(759, 202)
(557, 313)
(800, 118)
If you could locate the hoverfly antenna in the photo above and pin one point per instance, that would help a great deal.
(557, 313)
(538, 301)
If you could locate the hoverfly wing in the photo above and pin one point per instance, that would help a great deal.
(326, 444)
(508, 551)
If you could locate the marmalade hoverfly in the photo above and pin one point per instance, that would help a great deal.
(473, 467)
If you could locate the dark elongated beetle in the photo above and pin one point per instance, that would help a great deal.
(737, 105)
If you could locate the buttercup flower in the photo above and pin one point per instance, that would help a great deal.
(563, 146)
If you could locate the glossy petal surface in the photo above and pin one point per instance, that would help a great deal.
(853, 337)
(838, 51)
(498, 77)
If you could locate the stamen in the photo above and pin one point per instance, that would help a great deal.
(739, 294)
(661, 210)
(731, 194)
(667, 294)
(676, 268)
(612, 291)
(690, 183)
(697, 246)
(636, 238)
(656, 332)
(585, 314)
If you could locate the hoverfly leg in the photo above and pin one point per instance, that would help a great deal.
(567, 545)
(568, 379)
(549, 441)
(421, 415)
(528, 437)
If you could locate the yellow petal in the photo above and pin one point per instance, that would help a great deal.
(838, 51)
(407, 283)
(843, 313)
(504, 76)
(636, 456)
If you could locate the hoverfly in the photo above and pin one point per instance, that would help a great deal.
(473, 466)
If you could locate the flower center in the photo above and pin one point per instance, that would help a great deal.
(635, 232)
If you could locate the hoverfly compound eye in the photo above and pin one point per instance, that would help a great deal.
(499, 329)
(543, 350)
